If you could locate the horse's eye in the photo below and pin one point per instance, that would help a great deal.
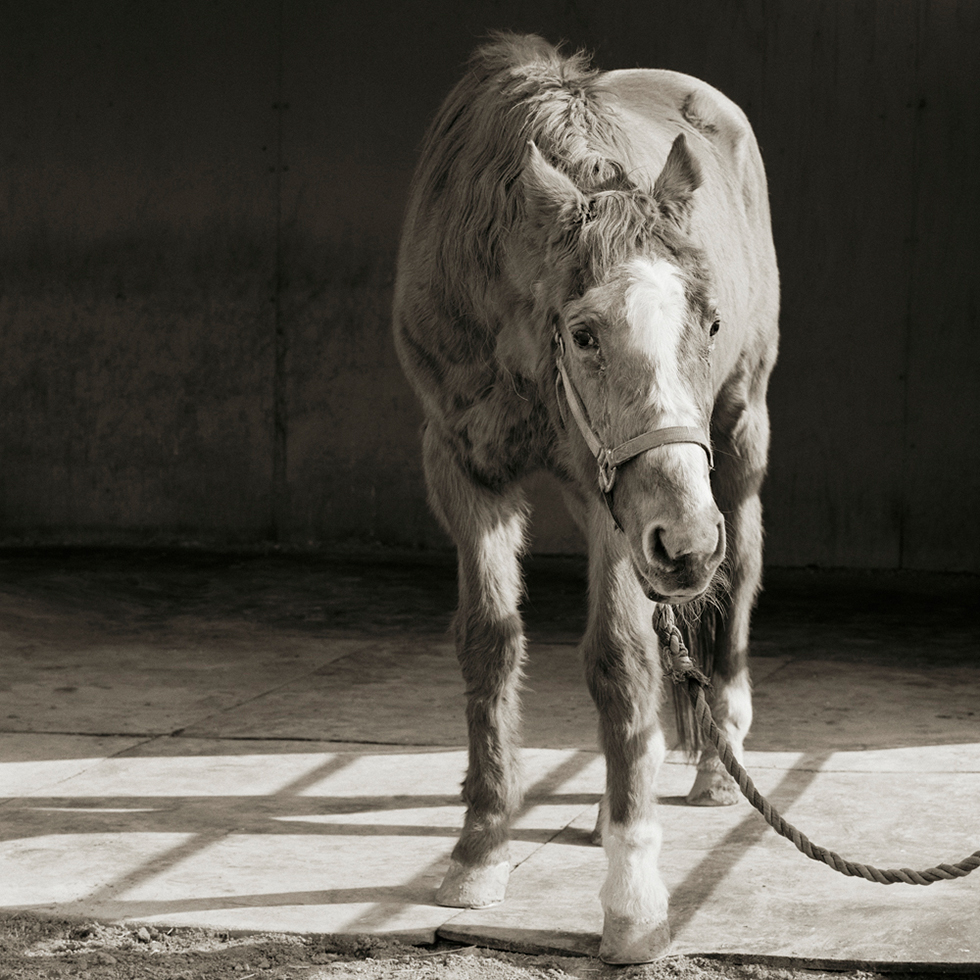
(715, 327)
(584, 339)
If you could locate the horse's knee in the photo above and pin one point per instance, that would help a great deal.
(745, 536)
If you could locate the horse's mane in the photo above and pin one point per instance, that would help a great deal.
(519, 89)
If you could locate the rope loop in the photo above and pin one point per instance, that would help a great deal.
(679, 665)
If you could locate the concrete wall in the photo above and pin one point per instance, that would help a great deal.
(200, 204)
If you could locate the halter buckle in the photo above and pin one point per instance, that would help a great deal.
(607, 472)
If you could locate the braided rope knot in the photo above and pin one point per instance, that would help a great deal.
(677, 663)
(674, 656)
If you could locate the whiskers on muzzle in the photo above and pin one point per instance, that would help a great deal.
(710, 602)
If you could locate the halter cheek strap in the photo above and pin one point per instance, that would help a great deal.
(609, 460)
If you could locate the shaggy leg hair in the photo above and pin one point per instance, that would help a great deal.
(488, 527)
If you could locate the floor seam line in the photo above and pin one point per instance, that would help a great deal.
(556, 834)
(256, 697)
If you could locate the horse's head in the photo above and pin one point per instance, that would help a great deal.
(631, 324)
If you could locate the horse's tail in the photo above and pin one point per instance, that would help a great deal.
(700, 633)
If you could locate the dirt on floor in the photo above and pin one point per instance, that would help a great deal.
(32, 948)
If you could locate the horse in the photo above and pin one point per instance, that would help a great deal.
(586, 283)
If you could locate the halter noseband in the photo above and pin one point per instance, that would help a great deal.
(609, 460)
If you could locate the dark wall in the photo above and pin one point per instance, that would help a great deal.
(200, 204)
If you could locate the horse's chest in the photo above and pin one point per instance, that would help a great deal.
(500, 431)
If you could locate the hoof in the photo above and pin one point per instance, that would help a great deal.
(473, 888)
(628, 941)
(713, 788)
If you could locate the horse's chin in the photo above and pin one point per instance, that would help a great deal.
(658, 591)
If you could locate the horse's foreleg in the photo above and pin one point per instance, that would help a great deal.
(730, 694)
(739, 476)
(487, 527)
(624, 678)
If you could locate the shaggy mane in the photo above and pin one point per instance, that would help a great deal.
(519, 89)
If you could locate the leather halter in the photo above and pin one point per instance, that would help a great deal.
(609, 460)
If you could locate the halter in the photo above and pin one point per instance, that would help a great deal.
(609, 460)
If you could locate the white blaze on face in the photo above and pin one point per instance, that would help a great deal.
(656, 311)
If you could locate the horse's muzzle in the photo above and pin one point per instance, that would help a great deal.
(681, 560)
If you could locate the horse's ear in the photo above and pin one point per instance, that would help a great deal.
(679, 179)
(550, 194)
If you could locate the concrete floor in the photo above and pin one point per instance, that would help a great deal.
(275, 743)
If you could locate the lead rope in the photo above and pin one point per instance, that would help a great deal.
(678, 664)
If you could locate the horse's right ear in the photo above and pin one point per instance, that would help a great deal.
(550, 194)
(679, 179)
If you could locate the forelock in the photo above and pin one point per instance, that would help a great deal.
(622, 226)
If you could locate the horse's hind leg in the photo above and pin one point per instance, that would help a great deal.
(488, 528)
(740, 466)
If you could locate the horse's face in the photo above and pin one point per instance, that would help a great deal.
(637, 343)
(637, 351)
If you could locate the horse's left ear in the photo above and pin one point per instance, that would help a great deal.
(679, 179)
(550, 194)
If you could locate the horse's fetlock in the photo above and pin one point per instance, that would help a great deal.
(478, 847)
(633, 887)
(491, 806)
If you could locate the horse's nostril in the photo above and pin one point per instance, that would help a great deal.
(657, 549)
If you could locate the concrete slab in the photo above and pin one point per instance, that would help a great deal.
(410, 692)
(247, 768)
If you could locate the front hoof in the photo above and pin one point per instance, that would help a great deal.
(713, 787)
(466, 887)
(628, 941)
